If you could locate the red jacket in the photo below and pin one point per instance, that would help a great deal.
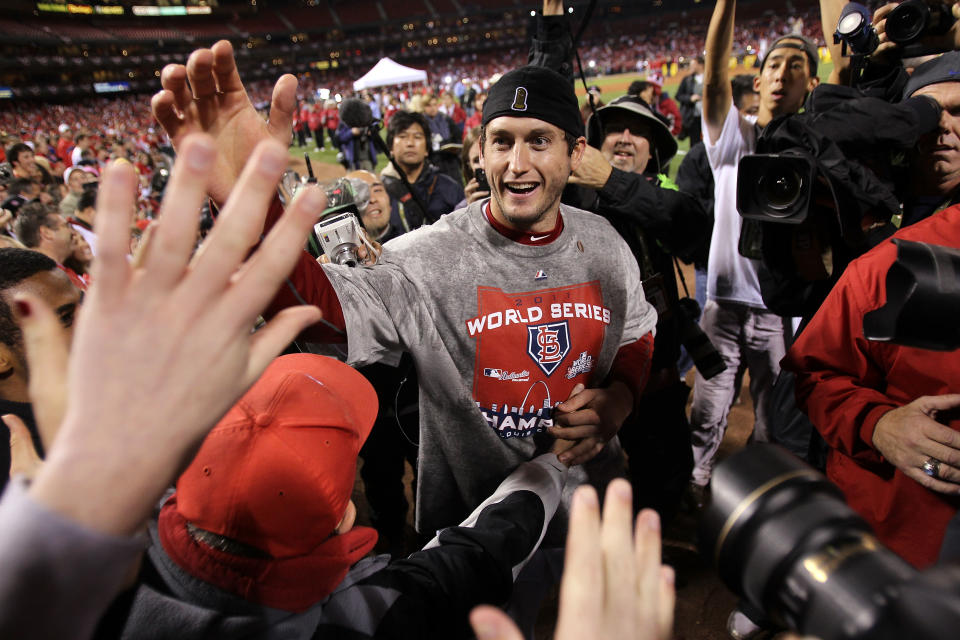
(845, 384)
(332, 117)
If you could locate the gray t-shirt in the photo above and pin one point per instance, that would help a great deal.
(500, 333)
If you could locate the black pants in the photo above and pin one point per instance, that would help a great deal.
(392, 441)
(656, 439)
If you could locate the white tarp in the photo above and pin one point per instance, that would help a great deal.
(387, 72)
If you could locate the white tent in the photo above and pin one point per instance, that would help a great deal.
(387, 72)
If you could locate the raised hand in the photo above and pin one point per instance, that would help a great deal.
(613, 584)
(163, 348)
(208, 96)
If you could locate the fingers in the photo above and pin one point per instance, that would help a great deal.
(115, 206)
(282, 106)
(577, 399)
(47, 349)
(225, 68)
(940, 486)
(668, 602)
(646, 556)
(23, 456)
(268, 342)
(930, 405)
(490, 623)
(620, 575)
(164, 109)
(577, 388)
(582, 586)
(583, 451)
(275, 258)
(578, 418)
(589, 430)
(240, 221)
(174, 241)
(203, 84)
(173, 78)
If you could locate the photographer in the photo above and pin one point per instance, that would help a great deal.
(877, 404)
(408, 138)
(357, 148)
(735, 317)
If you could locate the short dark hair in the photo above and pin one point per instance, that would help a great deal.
(741, 85)
(16, 265)
(637, 87)
(13, 153)
(88, 198)
(568, 137)
(20, 185)
(403, 120)
(30, 218)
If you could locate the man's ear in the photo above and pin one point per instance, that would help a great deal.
(576, 156)
(8, 361)
(814, 82)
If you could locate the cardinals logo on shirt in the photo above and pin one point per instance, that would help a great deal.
(548, 345)
(548, 326)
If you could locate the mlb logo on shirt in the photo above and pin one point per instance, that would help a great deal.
(541, 275)
(548, 345)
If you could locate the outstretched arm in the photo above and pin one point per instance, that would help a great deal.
(717, 94)
(208, 96)
(830, 11)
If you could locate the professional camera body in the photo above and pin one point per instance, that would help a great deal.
(823, 187)
(782, 537)
(908, 23)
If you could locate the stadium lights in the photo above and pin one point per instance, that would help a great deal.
(569, 9)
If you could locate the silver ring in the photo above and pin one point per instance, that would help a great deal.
(931, 467)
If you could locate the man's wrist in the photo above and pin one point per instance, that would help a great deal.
(623, 400)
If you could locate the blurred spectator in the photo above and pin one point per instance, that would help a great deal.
(407, 139)
(41, 228)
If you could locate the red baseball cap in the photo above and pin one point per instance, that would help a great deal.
(276, 474)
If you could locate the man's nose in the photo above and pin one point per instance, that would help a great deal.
(520, 159)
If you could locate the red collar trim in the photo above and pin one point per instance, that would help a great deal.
(523, 237)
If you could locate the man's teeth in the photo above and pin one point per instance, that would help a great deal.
(522, 187)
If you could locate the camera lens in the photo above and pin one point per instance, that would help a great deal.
(781, 536)
(907, 22)
(780, 187)
(344, 255)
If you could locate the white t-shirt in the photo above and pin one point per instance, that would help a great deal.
(730, 276)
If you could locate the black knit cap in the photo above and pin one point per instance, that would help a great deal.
(945, 68)
(535, 92)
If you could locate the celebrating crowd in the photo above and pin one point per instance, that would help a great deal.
(509, 321)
